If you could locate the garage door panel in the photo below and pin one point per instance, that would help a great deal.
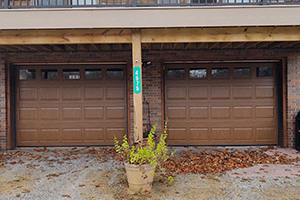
(265, 133)
(28, 135)
(177, 133)
(49, 113)
(176, 93)
(115, 112)
(28, 114)
(50, 135)
(177, 112)
(242, 112)
(78, 110)
(93, 134)
(220, 92)
(265, 111)
(111, 133)
(220, 134)
(93, 93)
(244, 92)
(28, 94)
(199, 134)
(71, 135)
(71, 94)
(115, 93)
(220, 112)
(49, 94)
(235, 109)
(264, 92)
(95, 113)
(196, 92)
(243, 134)
(71, 113)
(198, 112)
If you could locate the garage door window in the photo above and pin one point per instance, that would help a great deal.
(197, 73)
(27, 74)
(242, 72)
(264, 72)
(71, 74)
(176, 73)
(220, 73)
(93, 74)
(49, 74)
(114, 73)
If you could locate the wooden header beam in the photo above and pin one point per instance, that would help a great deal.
(77, 36)
(240, 34)
(164, 35)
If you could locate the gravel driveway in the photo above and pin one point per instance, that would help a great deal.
(97, 173)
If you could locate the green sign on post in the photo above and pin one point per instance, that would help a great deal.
(137, 85)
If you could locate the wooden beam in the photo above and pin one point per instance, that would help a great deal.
(296, 45)
(225, 45)
(72, 47)
(238, 45)
(11, 48)
(174, 46)
(121, 46)
(33, 47)
(213, 45)
(96, 46)
(201, 45)
(46, 48)
(289, 44)
(240, 34)
(187, 46)
(277, 44)
(22, 48)
(137, 85)
(262, 45)
(250, 45)
(59, 47)
(74, 36)
(83, 46)
(166, 35)
(161, 46)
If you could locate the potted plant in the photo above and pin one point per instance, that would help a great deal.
(142, 160)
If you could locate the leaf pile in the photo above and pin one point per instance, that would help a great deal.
(222, 161)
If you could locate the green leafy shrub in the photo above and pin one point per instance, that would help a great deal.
(152, 153)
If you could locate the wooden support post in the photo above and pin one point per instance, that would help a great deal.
(137, 85)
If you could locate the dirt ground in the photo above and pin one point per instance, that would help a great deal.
(97, 173)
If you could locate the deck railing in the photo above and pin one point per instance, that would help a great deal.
(11, 4)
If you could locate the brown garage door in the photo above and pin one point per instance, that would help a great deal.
(70, 105)
(221, 103)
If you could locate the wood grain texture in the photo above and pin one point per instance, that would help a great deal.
(137, 98)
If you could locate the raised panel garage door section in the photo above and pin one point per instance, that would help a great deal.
(70, 105)
(221, 103)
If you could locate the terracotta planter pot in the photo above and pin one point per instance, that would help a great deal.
(140, 177)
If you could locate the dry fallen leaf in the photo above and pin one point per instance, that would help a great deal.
(65, 195)
(222, 161)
